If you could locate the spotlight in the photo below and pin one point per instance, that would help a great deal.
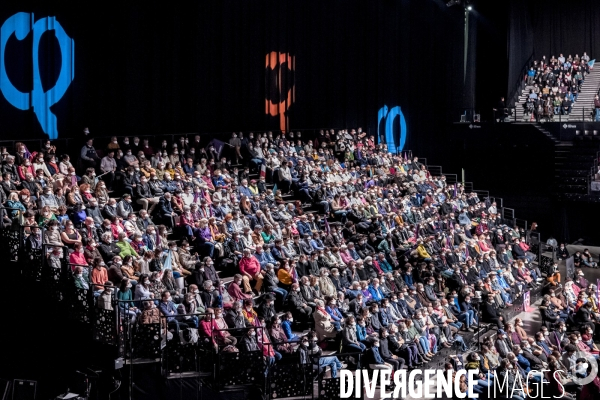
(469, 8)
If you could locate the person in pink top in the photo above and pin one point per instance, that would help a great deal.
(264, 342)
(221, 333)
(483, 245)
(345, 255)
(207, 326)
(250, 270)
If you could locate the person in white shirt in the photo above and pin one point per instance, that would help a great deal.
(187, 196)
(493, 209)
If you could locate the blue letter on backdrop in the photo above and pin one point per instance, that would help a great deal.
(390, 137)
(21, 24)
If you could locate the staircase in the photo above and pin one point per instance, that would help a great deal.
(547, 133)
(583, 105)
(573, 161)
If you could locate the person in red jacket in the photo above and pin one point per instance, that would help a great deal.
(250, 269)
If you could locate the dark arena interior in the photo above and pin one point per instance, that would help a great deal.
(230, 199)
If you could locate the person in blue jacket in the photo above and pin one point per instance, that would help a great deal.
(374, 359)
(408, 278)
(286, 324)
(375, 290)
(361, 330)
(335, 314)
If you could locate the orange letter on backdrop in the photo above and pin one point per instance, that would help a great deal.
(275, 60)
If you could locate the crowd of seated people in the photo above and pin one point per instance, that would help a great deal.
(387, 266)
(554, 85)
(562, 349)
(564, 346)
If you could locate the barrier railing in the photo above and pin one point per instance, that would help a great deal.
(247, 366)
(466, 115)
(521, 223)
(561, 114)
(11, 241)
(544, 252)
(519, 85)
(581, 122)
(435, 170)
(451, 179)
(103, 314)
(139, 341)
(54, 270)
(508, 213)
(95, 304)
(290, 378)
(499, 201)
(482, 193)
(328, 386)
(32, 265)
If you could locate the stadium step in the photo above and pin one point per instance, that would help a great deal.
(573, 163)
(585, 100)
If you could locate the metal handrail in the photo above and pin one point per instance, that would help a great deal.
(485, 193)
(520, 83)
(436, 167)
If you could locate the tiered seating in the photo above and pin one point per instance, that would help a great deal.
(395, 230)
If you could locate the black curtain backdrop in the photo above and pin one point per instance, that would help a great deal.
(183, 67)
(569, 29)
(549, 28)
(520, 37)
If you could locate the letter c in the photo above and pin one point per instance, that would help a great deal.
(20, 25)
(43, 100)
